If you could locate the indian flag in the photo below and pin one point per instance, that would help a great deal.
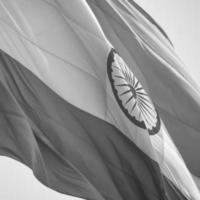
(91, 94)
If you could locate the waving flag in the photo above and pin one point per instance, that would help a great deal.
(86, 99)
(150, 54)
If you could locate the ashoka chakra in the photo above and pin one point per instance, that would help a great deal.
(130, 95)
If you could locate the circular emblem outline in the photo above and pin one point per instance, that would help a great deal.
(136, 94)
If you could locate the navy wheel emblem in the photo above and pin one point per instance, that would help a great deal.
(130, 95)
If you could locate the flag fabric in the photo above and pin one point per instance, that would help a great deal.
(84, 104)
(175, 94)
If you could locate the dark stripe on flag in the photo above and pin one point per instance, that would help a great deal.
(145, 14)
